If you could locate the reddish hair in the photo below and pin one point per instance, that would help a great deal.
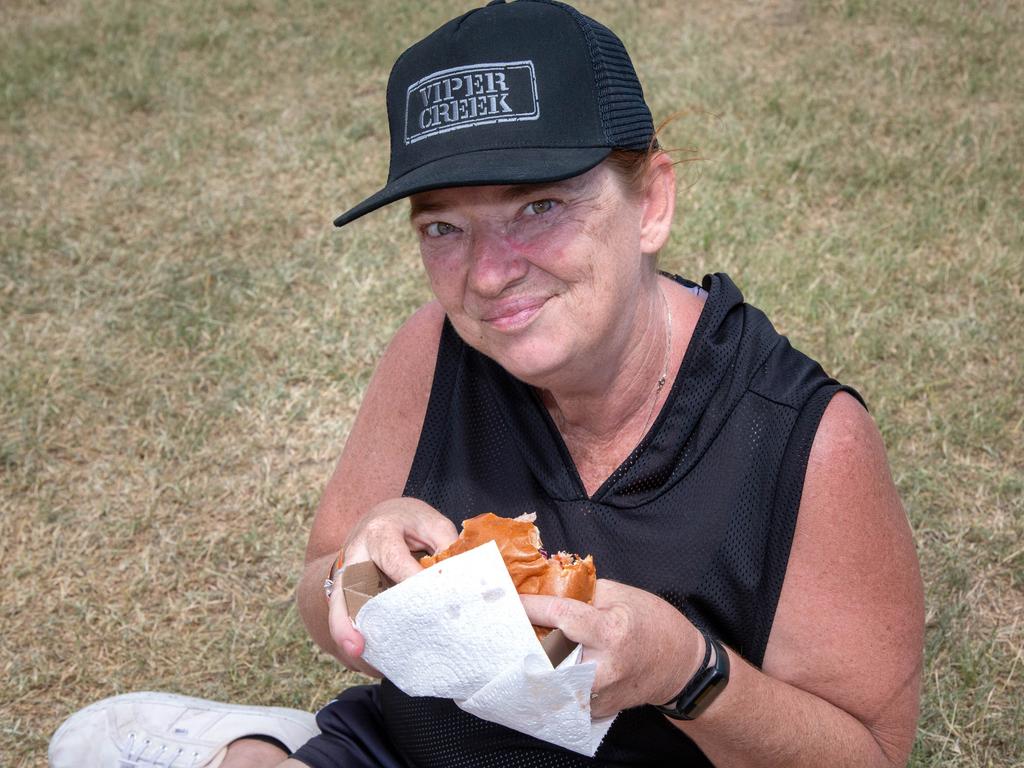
(630, 165)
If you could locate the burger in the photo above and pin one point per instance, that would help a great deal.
(532, 570)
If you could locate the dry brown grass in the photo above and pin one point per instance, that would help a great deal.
(184, 339)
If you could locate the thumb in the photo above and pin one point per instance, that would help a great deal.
(573, 617)
(342, 629)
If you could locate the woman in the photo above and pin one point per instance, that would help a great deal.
(760, 603)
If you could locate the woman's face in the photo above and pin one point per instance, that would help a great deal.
(542, 278)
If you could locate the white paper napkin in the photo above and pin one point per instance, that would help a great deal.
(458, 631)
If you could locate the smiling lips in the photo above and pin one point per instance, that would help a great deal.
(512, 314)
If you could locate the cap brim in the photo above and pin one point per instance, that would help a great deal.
(519, 165)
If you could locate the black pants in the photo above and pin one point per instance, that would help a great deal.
(352, 734)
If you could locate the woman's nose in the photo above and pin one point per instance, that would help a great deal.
(494, 265)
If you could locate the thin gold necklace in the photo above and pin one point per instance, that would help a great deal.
(664, 368)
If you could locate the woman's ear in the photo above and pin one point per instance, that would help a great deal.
(659, 203)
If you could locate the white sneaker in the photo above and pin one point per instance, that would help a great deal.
(169, 731)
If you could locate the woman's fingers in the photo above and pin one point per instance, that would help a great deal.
(393, 530)
(423, 527)
(436, 532)
(582, 624)
(397, 562)
(638, 641)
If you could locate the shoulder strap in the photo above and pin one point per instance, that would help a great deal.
(436, 423)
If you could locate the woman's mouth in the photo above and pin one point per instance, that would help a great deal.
(512, 315)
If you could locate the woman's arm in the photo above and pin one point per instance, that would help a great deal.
(840, 680)
(360, 507)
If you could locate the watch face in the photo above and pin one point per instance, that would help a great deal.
(704, 698)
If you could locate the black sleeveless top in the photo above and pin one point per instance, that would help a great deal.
(701, 513)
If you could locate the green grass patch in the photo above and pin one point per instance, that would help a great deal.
(184, 338)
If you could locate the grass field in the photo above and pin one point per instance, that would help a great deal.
(184, 338)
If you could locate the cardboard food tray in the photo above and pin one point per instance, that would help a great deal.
(362, 581)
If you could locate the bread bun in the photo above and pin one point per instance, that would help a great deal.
(533, 573)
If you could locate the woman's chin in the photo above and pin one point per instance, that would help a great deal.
(533, 366)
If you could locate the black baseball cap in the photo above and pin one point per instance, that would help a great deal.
(513, 93)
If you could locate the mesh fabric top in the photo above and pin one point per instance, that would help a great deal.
(701, 513)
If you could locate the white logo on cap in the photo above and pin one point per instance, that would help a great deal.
(463, 97)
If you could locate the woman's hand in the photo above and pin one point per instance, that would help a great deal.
(386, 535)
(645, 649)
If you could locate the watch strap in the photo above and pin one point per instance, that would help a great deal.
(705, 684)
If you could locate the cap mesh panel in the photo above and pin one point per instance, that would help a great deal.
(625, 117)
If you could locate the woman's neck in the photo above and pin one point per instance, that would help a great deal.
(604, 417)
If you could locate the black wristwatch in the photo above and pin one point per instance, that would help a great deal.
(705, 685)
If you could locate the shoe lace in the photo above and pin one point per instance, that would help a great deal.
(160, 759)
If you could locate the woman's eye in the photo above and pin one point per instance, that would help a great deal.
(438, 229)
(539, 206)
